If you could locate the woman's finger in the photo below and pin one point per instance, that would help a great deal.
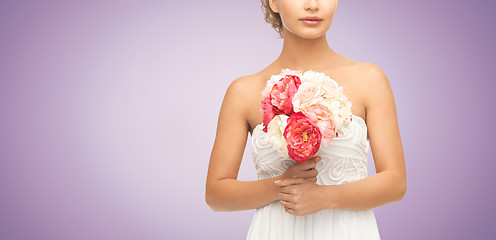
(292, 211)
(284, 196)
(306, 165)
(310, 173)
(287, 205)
(314, 179)
(287, 190)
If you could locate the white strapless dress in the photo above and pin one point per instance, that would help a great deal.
(344, 160)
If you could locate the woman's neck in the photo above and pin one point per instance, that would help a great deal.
(304, 54)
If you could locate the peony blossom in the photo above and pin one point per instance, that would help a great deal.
(282, 93)
(321, 115)
(277, 99)
(341, 111)
(303, 137)
(275, 78)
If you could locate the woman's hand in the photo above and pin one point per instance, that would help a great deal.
(304, 170)
(301, 197)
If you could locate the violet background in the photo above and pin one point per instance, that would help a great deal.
(108, 112)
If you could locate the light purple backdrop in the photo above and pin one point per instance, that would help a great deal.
(108, 112)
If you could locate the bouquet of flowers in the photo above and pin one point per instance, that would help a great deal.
(301, 112)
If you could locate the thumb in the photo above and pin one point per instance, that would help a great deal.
(317, 159)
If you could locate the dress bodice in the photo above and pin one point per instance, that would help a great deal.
(344, 159)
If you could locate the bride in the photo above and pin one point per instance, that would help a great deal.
(307, 200)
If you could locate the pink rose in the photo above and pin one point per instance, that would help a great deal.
(281, 95)
(303, 137)
(321, 114)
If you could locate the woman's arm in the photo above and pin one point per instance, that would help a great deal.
(223, 191)
(389, 183)
(386, 186)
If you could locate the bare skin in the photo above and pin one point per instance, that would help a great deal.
(366, 86)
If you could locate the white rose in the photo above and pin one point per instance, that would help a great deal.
(275, 130)
(309, 93)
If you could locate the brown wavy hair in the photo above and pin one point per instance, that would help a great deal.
(272, 17)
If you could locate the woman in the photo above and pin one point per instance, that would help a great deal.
(329, 196)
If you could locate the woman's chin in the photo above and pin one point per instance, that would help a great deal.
(311, 34)
(308, 33)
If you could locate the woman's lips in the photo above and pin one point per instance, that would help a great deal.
(311, 20)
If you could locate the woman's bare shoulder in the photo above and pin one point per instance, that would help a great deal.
(362, 75)
(244, 92)
(374, 86)
(372, 78)
(245, 87)
(245, 81)
(370, 71)
(359, 71)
